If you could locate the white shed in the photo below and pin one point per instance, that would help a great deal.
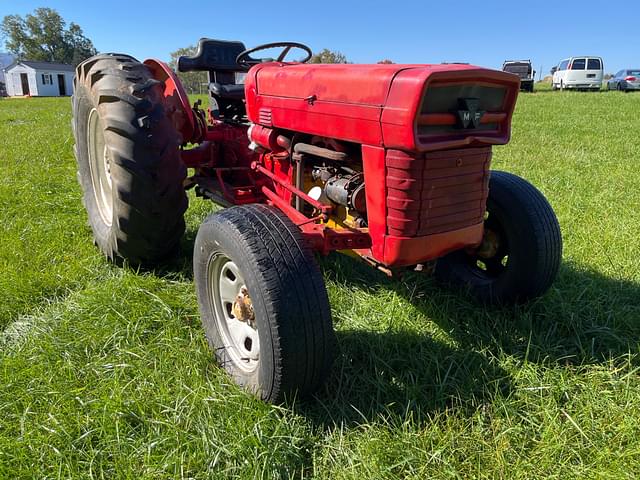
(41, 79)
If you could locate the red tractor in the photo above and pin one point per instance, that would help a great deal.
(386, 162)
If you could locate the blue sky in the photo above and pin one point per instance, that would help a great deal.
(480, 32)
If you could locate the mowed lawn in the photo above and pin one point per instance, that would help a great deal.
(105, 373)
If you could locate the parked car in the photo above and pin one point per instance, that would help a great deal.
(524, 70)
(579, 73)
(625, 80)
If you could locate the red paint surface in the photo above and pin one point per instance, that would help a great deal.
(369, 104)
(426, 187)
(177, 99)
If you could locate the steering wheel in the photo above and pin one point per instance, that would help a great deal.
(245, 60)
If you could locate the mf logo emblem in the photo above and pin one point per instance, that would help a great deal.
(469, 113)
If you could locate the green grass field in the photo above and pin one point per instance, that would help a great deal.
(105, 373)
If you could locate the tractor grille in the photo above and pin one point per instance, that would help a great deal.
(523, 71)
(438, 114)
(436, 192)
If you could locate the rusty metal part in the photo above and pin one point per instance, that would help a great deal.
(242, 308)
(489, 245)
(347, 190)
(229, 297)
(375, 264)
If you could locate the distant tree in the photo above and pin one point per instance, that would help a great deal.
(191, 81)
(386, 61)
(608, 76)
(42, 36)
(328, 56)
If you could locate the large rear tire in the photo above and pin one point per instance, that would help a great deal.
(263, 303)
(521, 251)
(128, 157)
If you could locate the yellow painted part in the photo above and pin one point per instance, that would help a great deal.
(341, 219)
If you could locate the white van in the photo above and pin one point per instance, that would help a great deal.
(580, 73)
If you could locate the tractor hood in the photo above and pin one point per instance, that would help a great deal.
(410, 107)
(344, 83)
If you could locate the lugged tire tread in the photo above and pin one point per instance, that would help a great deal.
(150, 204)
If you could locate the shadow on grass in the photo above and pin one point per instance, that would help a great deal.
(178, 266)
(402, 375)
(586, 318)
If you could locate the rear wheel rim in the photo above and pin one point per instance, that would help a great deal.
(227, 289)
(100, 167)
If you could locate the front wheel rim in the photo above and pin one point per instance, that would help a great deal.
(491, 259)
(233, 312)
(100, 167)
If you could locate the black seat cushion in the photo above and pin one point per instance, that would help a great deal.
(227, 91)
(213, 55)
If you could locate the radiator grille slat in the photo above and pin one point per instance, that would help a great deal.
(264, 117)
(436, 192)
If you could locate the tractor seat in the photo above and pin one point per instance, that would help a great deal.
(213, 56)
(228, 91)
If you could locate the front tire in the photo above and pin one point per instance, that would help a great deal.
(263, 303)
(128, 157)
(520, 255)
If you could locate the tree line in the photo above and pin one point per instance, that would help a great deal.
(44, 36)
